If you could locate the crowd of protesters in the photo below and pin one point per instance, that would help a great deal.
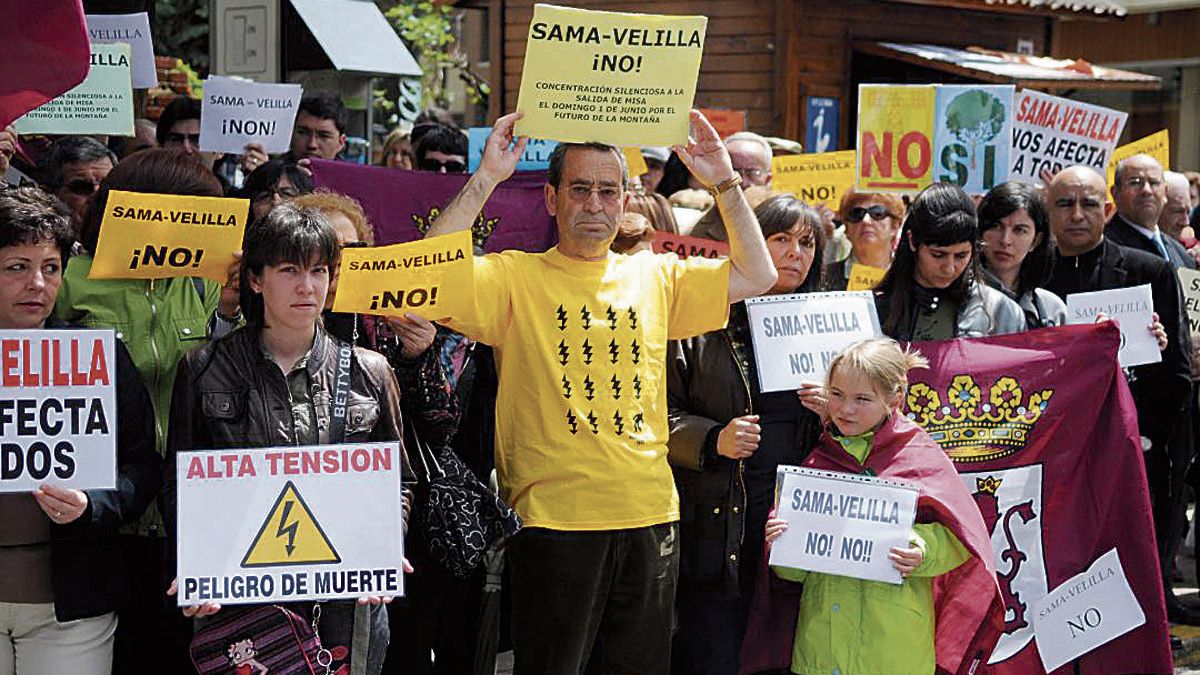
(636, 554)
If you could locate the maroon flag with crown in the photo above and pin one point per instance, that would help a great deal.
(1043, 431)
(401, 205)
(46, 53)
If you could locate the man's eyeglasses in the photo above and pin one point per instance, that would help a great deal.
(173, 138)
(81, 186)
(858, 213)
(451, 166)
(1138, 182)
(749, 173)
(581, 193)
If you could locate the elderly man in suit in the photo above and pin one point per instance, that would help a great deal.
(1140, 192)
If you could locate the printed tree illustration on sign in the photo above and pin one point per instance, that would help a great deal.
(975, 117)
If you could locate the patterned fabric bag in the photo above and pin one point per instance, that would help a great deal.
(266, 639)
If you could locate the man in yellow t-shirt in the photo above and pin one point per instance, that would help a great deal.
(580, 338)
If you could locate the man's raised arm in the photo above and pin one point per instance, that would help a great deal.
(497, 164)
(753, 272)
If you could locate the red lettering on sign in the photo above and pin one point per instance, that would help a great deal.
(924, 154)
(871, 153)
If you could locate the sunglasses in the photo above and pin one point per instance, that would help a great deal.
(81, 186)
(877, 212)
(452, 166)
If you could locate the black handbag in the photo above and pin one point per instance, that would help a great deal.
(459, 516)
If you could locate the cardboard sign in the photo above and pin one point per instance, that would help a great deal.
(815, 178)
(1131, 308)
(101, 104)
(635, 164)
(1189, 281)
(725, 122)
(536, 157)
(972, 135)
(1052, 133)
(236, 112)
(823, 117)
(689, 247)
(864, 277)
(58, 409)
(133, 30)
(292, 523)
(805, 331)
(152, 236)
(1085, 611)
(609, 76)
(432, 278)
(841, 523)
(895, 137)
(1157, 145)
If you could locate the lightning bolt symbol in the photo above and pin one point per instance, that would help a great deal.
(633, 318)
(562, 317)
(613, 350)
(572, 420)
(586, 316)
(616, 388)
(587, 352)
(619, 422)
(589, 386)
(637, 387)
(591, 418)
(637, 352)
(566, 387)
(290, 530)
(638, 420)
(563, 352)
(612, 318)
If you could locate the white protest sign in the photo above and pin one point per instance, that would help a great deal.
(58, 409)
(236, 112)
(101, 104)
(1050, 133)
(1131, 308)
(1189, 280)
(289, 523)
(805, 331)
(133, 30)
(842, 523)
(1084, 612)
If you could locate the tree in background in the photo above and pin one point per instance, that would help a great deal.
(428, 29)
(180, 28)
(975, 117)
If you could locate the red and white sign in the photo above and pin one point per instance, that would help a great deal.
(689, 247)
(1052, 133)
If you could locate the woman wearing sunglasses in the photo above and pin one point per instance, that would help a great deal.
(934, 289)
(871, 221)
(272, 184)
(1018, 253)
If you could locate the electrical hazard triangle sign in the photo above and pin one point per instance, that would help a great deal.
(290, 535)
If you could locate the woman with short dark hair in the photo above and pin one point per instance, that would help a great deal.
(1018, 251)
(272, 184)
(934, 289)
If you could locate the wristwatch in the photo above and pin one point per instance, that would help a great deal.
(724, 186)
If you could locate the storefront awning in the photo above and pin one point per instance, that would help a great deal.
(985, 65)
(1099, 8)
(356, 37)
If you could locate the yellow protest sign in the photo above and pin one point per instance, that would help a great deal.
(820, 178)
(432, 278)
(290, 535)
(895, 137)
(635, 164)
(864, 277)
(153, 236)
(1157, 145)
(610, 77)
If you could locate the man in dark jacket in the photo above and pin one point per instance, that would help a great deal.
(1140, 192)
(1089, 261)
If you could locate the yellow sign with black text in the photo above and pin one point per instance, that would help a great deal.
(290, 535)
(820, 178)
(153, 236)
(610, 77)
(431, 278)
(864, 277)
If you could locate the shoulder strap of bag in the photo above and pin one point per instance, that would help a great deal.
(341, 393)
(360, 639)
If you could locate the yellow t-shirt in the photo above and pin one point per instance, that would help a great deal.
(581, 416)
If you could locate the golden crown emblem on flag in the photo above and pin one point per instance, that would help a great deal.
(480, 230)
(972, 428)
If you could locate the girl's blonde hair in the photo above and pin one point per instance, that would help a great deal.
(882, 361)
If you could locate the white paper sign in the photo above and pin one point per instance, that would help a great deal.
(58, 409)
(841, 523)
(1189, 280)
(134, 30)
(796, 336)
(1050, 133)
(236, 112)
(1131, 308)
(101, 104)
(289, 523)
(1085, 611)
